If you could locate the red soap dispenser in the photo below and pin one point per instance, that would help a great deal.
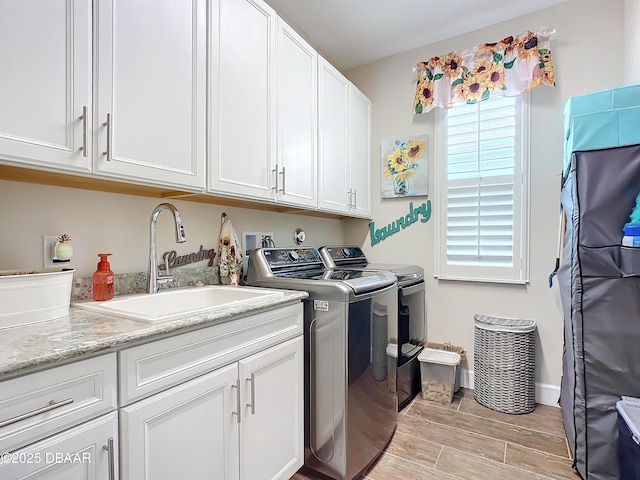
(103, 279)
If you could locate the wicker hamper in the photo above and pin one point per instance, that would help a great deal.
(504, 363)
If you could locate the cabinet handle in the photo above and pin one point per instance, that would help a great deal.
(253, 393)
(283, 180)
(52, 406)
(112, 460)
(107, 124)
(349, 193)
(83, 117)
(355, 198)
(275, 173)
(238, 413)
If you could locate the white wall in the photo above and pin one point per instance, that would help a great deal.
(631, 42)
(588, 56)
(102, 222)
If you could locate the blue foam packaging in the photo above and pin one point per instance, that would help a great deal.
(602, 119)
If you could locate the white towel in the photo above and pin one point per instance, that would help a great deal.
(229, 254)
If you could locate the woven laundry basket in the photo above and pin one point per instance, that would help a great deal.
(504, 363)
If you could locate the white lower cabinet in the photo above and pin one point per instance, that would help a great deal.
(221, 403)
(188, 431)
(272, 402)
(243, 421)
(86, 452)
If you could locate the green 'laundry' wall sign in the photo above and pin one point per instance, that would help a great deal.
(415, 214)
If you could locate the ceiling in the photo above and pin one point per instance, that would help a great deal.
(351, 33)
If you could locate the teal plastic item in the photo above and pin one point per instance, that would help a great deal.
(602, 119)
(634, 218)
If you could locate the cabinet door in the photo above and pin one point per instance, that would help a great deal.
(333, 134)
(86, 452)
(242, 91)
(188, 431)
(45, 85)
(272, 430)
(360, 145)
(297, 111)
(150, 91)
(69, 395)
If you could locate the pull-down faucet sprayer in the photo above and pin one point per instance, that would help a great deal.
(153, 278)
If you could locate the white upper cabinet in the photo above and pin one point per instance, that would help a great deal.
(242, 146)
(263, 106)
(360, 154)
(333, 136)
(297, 112)
(45, 84)
(215, 96)
(344, 165)
(150, 91)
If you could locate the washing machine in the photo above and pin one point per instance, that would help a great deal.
(350, 321)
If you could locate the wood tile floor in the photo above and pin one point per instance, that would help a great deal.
(467, 441)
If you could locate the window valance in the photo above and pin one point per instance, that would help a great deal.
(510, 67)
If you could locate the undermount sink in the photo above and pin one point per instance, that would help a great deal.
(173, 303)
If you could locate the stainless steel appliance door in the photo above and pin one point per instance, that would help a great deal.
(325, 387)
(411, 338)
(372, 403)
(350, 389)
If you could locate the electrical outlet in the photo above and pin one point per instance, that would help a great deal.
(48, 246)
(251, 240)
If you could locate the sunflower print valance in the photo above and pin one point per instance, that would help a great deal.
(510, 67)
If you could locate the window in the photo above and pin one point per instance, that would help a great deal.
(482, 191)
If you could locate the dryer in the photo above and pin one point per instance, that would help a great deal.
(411, 316)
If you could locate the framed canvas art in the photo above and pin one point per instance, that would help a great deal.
(404, 167)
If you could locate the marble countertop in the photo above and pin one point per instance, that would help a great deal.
(83, 333)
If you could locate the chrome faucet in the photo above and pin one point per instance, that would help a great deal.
(153, 278)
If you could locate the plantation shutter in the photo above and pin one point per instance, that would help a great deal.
(481, 192)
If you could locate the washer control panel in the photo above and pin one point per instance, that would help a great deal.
(346, 253)
(280, 257)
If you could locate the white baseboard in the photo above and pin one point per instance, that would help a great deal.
(545, 394)
(466, 378)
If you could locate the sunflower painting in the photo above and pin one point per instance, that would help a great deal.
(404, 167)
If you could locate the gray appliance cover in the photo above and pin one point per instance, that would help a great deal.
(600, 291)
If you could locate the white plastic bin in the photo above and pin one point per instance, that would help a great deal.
(34, 296)
(438, 372)
(629, 437)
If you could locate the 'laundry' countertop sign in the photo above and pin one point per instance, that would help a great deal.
(424, 210)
